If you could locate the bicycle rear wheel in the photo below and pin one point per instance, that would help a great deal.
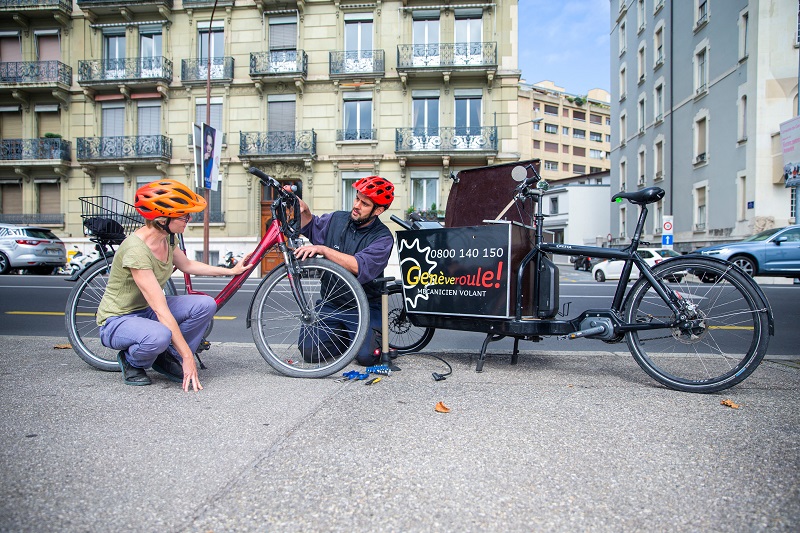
(404, 336)
(726, 339)
(337, 312)
(81, 317)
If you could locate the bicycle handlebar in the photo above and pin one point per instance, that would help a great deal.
(269, 181)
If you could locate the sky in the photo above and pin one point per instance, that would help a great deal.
(566, 42)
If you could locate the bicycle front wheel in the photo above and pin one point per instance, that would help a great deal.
(724, 340)
(404, 336)
(323, 336)
(80, 317)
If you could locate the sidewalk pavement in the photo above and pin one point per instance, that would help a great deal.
(560, 442)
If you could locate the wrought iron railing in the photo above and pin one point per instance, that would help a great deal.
(125, 69)
(117, 3)
(23, 149)
(132, 147)
(65, 5)
(357, 62)
(196, 70)
(411, 56)
(446, 139)
(206, 3)
(357, 135)
(30, 219)
(278, 143)
(277, 62)
(35, 72)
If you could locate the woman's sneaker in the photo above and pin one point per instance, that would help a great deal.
(130, 374)
(167, 365)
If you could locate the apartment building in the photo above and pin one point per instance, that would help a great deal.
(571, 134)
(98, 97)
(699, 90)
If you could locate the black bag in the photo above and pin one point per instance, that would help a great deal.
(105, 228)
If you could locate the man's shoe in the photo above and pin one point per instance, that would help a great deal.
(167, 365)
(130, 374)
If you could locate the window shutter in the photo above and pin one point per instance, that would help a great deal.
(149, 118)
(113, 121)
(48, 123)
(10, 49)
(49, 198)
(49, 47)
(281, 116)
(11, 125)
(12, 198)
(283, 36)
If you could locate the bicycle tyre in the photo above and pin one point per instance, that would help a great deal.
(404, 336)
(728, 339)
(277, 322)
(81, 312)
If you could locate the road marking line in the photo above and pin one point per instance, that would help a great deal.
(61, 313)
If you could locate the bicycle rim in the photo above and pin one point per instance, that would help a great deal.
(726, 340)
(81, 317)
(404, 336)
(280, 328)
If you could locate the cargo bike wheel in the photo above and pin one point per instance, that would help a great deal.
(723, 340)
(80, 316)
(404, 336)
(318, 337)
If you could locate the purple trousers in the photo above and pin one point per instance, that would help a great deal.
(143, 337)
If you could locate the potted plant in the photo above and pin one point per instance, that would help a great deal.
(53, 146)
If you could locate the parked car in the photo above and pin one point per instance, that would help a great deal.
(612, 268)
(37, 250)
(583, 262)
(774, 252)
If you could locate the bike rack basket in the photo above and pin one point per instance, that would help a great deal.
(108, 219)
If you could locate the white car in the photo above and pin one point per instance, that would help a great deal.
(612, 268)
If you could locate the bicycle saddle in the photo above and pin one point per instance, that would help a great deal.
(643, 197)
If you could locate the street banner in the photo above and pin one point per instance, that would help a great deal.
(790, 143)
(207, 149)
(458, 271)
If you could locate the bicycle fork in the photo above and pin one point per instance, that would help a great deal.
(293, 275)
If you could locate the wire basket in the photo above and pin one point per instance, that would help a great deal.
(108, 219)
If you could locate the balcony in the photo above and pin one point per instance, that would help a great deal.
(120, 150)
(474, 141)
(279, 66)
(32, 151)
(195, 71)
(134, 71)
(27, 77)
(357, 64)
(33, 219)
(22, 11)
(98, 8)
(446, 59)
(277, 145)
(195, 4)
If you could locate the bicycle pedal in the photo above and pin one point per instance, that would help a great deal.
(205, 345)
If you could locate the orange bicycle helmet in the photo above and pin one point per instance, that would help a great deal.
(167, 198)
(377, 189)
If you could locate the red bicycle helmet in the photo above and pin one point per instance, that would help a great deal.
(377, 189)
(167, 198)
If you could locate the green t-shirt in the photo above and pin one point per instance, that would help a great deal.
(122, 295)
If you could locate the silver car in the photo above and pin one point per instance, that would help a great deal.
(37, 250)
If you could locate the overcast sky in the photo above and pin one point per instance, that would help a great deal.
(566, 42)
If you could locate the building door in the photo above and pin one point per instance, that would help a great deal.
(150, 51)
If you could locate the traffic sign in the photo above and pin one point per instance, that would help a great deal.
(666, 233)
(666, 240)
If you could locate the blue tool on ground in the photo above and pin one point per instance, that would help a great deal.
(354, 375)
(383, 370)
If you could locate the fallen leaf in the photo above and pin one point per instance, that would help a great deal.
(62, 347)
(729, 403)
(441, 408)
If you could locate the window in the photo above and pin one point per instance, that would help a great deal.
(579, 169)
(608, 121)
(579, 115)
(596, 154)
(282, 44)
(358, 30)
(623, 82)
(565, 148)
(468, 112)
(536, 126)
(700, 197)
(550, 109)
(595, 119)
(623, 37)
(113, 187)
(468, 36)
(565, 113)
(280, 113)
(114, 53)
(658, 108)
(565, 167)
(213, 49)
(425, 113)
(641, 169)
(554, 205)
(741, 193)
(658, 45)
(357, 116)
(623, 231)
(551, 165)
(640, 115)
(578, 134)
(658, 159)
(348, 192)
(595, 136)
(744, 23)
(565, 131)
(700, 134)
(658, 217)
(623, 173)
(701, 13)
(640, 63)
(742, 118)
(48, 198)
(592, 170)
(425, 190)
(551, 128)
(426, 27)
(701, 68)
(149, 117)
(608, 137)
(640, 18)
(578, 151)
(623, 129)
(551, 147)
(113, 119)
(537, 145)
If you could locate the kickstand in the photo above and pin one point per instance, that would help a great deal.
(490, 337)
(202, 366)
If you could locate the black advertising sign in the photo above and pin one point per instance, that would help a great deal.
(457, 271)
